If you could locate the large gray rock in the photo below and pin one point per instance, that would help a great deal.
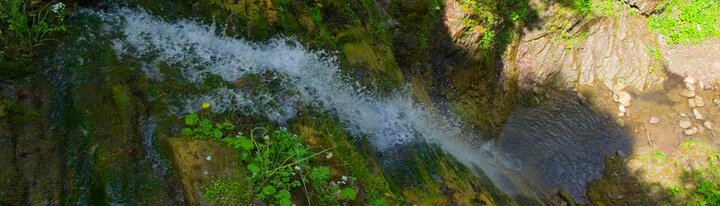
(615, 52)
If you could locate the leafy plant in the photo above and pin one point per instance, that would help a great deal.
(29, 29)
(687, 21)
(276, 162)
(202, 128)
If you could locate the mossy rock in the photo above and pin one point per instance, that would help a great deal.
(199, 163)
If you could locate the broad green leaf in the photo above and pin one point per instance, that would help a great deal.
(191, 119)
(348, 193)
(285, 202)
(246, 144)
(217, 134)
(283, 194)
(253, 168)
(187, 132)
(268, 190)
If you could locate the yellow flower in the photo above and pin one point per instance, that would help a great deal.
(205, 105)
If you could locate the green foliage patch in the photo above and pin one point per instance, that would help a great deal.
(278, 166)
(24, 29)
(688, 21)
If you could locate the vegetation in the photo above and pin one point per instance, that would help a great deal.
(278, 166)
(28, 28)
(705, 185)
(226, 193)
(688, 21)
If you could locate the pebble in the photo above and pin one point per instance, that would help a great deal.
(692, 102)
(699, 101)
(685, 124)
(716, 101)
(622, 108)
(707, 124)
(208, 158)
(621, 114)
(635, 164)
(654, 120)
(697, 114)
(624, 98)
(620, 122)
(689, 83)
(691, 131)
(687, 93)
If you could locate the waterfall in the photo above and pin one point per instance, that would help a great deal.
(314, 76)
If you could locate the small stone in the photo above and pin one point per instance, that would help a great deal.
(692, 103)
(654, 120)
(682, 114)
(624, 98)
(708, 125)
(697, 114)
(691, 131)
(581, 97)
(687, 93)
(685, 124)
(208, 158)
(716, 101)
(621, 114)
(620, 122)
(635, 164)
(699, 101)
(689, 83)
(205, 172)
(622, 108)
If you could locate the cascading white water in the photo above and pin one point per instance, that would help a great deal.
(388, 121)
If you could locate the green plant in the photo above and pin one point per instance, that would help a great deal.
(198, 127)
(278, 163)
(687, 21)
(28, 29)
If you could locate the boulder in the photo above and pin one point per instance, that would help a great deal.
(614, 52)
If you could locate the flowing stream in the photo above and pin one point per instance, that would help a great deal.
(314, 78)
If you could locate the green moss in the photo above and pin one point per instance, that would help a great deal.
(226, 192)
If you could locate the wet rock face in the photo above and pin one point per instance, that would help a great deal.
(609, 50)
